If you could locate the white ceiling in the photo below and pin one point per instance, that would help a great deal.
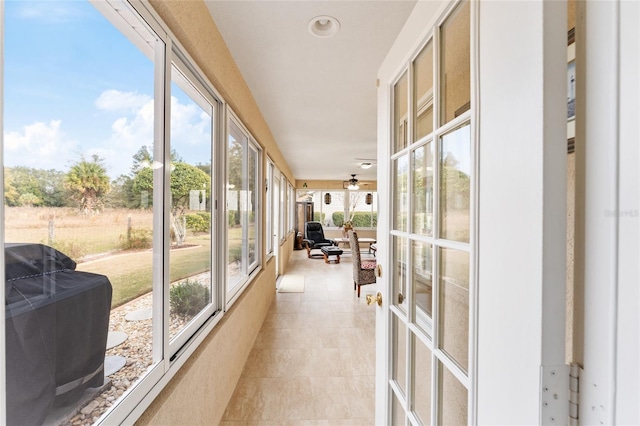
(318, 95)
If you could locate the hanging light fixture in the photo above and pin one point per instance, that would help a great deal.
(353, 183)
(368, 198)
(327, 198)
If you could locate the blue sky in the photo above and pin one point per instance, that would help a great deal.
(74, 85)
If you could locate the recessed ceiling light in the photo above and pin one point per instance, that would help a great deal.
(365, 165)
(323, 26)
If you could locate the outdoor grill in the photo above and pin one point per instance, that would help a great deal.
(57, 320)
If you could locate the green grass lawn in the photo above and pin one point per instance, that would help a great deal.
(131, 274)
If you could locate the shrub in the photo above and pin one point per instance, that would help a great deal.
(319, 217)
(71, 248)
(137, 239)
(338, 218)
(199, 222)
(188, 297)
(363, 219)
(358, 220)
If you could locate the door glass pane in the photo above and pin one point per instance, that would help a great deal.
(400, 104)
(423, 83)
(399, 331)
(454, 305)
(190, 181)
(79, 207)
(422, 195)
(236, 189)
(452, 399)
(398, 414)
(422, 381)
(455, 79)
(401, 199)
(400, 256)
(455, 184)
(422, 276)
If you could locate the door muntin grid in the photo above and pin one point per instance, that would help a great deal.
(433, 187)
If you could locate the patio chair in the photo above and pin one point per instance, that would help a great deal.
(363, 271)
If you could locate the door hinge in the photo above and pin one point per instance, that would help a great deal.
(554, 394)
(559, 394)
(574, 394)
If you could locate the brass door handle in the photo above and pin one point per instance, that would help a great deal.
(377, 299)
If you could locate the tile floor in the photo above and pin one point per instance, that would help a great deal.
(313, 362)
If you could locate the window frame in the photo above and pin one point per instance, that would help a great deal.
(199, 88)
(346, 210)
(167, 359)
(232, 294)
(269, 219)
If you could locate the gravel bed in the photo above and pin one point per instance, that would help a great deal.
(137, 350)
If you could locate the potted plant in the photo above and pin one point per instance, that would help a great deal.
(347, 226)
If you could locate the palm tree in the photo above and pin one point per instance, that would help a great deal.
(88, 183)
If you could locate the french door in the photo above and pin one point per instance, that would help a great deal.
(425, 325)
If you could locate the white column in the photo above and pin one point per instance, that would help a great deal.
(522, 208)
(608, 215)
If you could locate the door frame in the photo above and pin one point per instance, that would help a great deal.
(608, 211)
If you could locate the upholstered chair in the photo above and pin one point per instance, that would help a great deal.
(363, 270)
(314, 238)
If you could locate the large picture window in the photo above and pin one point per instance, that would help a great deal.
(334, 208)
(109, 214)
(242, 207)
(80, 188)
(190, 254)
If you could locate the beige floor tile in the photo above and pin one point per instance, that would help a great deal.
(301, 362)
(259, 399)
(358, 361)
(315, 296)
(287, 338)
(289, 297)
(313, 361)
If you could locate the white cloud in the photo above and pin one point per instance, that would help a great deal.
(128, 133)
(131, 116)
(40, 145)
(117, 101)
(190, 125)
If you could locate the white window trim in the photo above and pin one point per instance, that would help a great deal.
(231, 295)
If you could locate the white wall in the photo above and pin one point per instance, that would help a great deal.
(628, 319)
(522, 124)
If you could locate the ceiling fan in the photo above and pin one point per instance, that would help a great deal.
(353, 183)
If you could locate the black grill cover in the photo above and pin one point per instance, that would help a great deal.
(57, 320)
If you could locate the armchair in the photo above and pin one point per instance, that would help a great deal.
(314, 238)
(363, 271)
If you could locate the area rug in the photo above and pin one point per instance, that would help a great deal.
(291, 284)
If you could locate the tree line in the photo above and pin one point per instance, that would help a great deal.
(86, 184)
